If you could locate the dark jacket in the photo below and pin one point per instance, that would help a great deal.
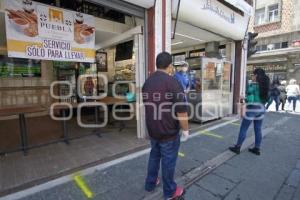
(282, 90)
(274, 91)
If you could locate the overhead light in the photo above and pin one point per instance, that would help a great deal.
(176, 43)
(190, 37)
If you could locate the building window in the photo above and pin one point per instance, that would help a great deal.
(277, 45)
(264, 47)
(260, 16)
(273, 13)
(284, 44)
(258, 48)
(272, 46)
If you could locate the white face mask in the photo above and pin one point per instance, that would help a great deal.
(184, 69)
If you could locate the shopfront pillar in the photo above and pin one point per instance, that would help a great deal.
(237, 76)
(159, 31)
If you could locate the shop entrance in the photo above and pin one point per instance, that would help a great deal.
(129, 72)
(209, 58)
(59, 147)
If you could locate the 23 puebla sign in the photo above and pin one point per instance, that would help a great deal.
(38, 31)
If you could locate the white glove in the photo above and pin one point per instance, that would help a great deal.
(184, 136)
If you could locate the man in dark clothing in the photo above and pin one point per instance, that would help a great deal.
(166, 114)
(274, 95)
(283, 95)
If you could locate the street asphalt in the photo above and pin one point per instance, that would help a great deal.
(274, 175)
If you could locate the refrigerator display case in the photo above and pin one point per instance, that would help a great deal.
(194, 95)
(67, 74)
(210, 88)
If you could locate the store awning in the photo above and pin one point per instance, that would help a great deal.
(213, 16)
(241, 5)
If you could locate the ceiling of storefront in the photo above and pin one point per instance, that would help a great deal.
(142, 3)
(188, 36)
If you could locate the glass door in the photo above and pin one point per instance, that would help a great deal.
(226, 90)
(211, 88)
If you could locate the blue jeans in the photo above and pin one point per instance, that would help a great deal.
(165, 153)
(294, 99)
(271, 99)
(254, 113)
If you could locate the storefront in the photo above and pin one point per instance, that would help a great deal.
(62, 84)
(32, 68)
(57, 92)
(280, 64)
(275, 71)
(210, 49)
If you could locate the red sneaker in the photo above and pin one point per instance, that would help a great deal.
(178, 194)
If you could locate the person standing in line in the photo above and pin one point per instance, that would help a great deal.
(292, 91)
(282, 89)
(183, 77)
(274, 95)
(257, 95)
(163, 94)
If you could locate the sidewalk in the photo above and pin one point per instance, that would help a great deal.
(235, 179)
(288, 107)
(274, 175)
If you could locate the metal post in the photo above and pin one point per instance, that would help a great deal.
(96, 121)
(23, 132)
(65, 127)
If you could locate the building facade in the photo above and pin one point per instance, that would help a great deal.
(42, 100)
(277, 23)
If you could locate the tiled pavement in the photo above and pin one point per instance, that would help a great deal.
(239, 178)
(274, 175)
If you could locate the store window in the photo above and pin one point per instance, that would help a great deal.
(19, 67)
(260, 16)
(273, 13)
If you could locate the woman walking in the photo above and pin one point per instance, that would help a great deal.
(257, 96)
(282, 89)
(292, 91)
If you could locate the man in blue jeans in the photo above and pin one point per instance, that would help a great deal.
(166, 114)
